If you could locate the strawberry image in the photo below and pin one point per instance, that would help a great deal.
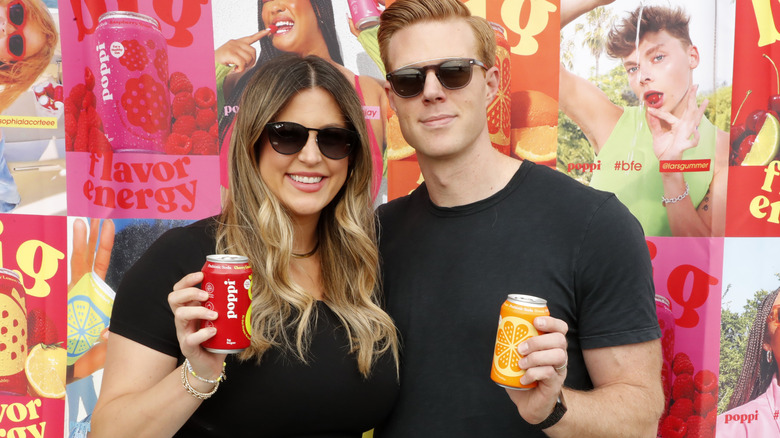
(40, 329)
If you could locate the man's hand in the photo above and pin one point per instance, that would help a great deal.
(671, 135)
(544, 360)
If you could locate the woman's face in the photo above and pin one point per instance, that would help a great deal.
(773, 329)
(28, 34)
(296, 25)
(306, 181)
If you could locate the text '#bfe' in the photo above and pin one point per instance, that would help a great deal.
(166, 186)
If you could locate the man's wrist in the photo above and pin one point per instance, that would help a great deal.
(555, 416)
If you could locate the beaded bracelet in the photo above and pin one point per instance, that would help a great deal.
(665, 201)
(195, 393)
(221, 377)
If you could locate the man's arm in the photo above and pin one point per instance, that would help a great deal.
(627, 399)
(581, 100)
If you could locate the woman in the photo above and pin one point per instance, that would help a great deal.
(28, 38)
(757, 395)
(324, 355)
(305, 27)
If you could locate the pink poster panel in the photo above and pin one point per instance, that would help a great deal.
(140, 109)
(688, 275)
(33, 325)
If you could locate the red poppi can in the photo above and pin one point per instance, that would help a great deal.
(364, 13)
(515, 325)
(228, 280)
(13, 334)
(130, 61)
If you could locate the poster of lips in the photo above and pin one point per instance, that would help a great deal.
(140, 109)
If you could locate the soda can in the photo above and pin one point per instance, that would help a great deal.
(364, 13)
(13, 334)
(228, 280)
(499, 120)
(130, 62)
(663, 309)
(515, 325)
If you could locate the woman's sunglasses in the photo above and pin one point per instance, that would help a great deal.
(17, 15)
(289, 138)
(453, 73)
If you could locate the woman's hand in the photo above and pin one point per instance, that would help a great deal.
(239, 52)
(186, 302)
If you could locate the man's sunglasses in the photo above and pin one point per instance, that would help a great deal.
(289, 138)
(453, 73)
(17, 15)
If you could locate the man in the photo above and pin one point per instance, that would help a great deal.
(660, 72)
(484, 225)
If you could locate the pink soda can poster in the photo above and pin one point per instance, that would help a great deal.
(140, 109)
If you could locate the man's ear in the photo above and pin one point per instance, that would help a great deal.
(693, 54)
(492, 83)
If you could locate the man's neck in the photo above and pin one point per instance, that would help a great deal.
(467, 178)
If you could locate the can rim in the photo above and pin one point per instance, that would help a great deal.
(527, 300)
(131, 15)
(10, 272)
(227, 258)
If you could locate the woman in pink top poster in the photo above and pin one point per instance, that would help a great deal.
(754, 407)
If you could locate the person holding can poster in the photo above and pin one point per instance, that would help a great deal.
(483, 226)
(753, 407)
(323, 356)
(663, 158)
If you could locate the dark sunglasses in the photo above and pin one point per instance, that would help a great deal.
(289, 138)
(16, 14)
(453, 73)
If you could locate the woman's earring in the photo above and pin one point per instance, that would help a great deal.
(769, 356)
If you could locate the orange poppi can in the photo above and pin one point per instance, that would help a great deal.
(515, 325)
(499, 118)
(228, 280)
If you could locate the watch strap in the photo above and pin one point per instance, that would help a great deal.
(554, 417)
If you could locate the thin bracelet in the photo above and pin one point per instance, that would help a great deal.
(195, 393)
(221, 377)
(665, 201)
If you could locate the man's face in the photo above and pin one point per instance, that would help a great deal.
(440, 122)
(660, 72)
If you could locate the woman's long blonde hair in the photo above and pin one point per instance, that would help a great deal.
(17, 76)
(256, 224)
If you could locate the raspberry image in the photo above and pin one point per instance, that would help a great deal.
(89, 78)
(81, 141)
(184, 125)
(146, 104)
(697, 427)
(71, 124)
(68, 143)
(178, 144)
(682, 387)
(89, 100)
(682, 408)
(183, 105)
(667, 342)
(682, 364)
(135, 57)
(98, 141)
(704, 403)
(214, 130)
(77, 94)
(706, 381)
(673, 427)
(179, 83)
(161, 64)
(206, 118)
(204, 143)
(205, 97)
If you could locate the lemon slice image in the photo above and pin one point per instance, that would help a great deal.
(85, 323)
(45, 370)
(766, 145)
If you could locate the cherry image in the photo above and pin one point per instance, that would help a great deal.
(744, 147)
(774, 100)
(755, 120)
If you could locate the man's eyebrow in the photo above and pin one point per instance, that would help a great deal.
(629, 62)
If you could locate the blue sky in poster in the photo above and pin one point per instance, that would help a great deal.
(749, 264)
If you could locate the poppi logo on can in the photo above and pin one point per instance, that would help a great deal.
(228, 281)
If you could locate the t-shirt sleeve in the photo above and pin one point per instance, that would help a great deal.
(616, 303)
(141, 311)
